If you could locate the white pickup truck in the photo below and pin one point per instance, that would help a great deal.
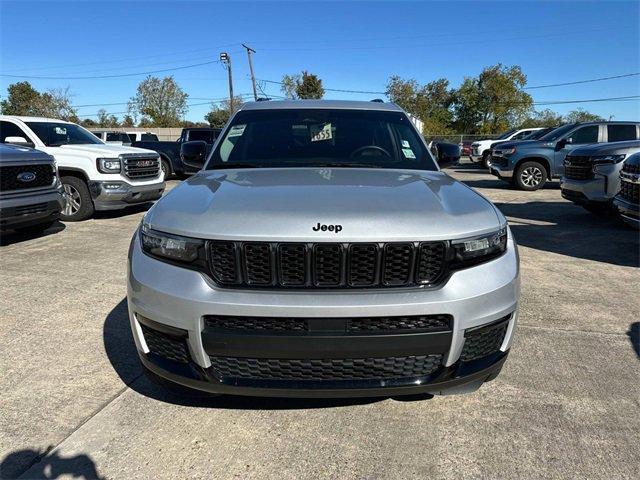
(480, 149)
(94, 175)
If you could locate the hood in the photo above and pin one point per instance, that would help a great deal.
(285, 204)
(630, 146)
(522, 144)
(15, 153)
(99, 150)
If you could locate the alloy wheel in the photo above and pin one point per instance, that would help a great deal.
(532, 176)
(72, 200)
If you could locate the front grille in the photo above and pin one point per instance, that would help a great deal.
(31, 209)
(44, 176)
(630, 191)
(140, 166)
(629, 167)
(482, 341)
(578, 168)
(499, 161)
(355, 326)
(387, 368)
(165, 345)
(326, 265)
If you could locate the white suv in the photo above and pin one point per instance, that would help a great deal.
(481, 148)
(94, 175)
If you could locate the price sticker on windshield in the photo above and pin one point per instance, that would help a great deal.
(236, 130)
(320, 132)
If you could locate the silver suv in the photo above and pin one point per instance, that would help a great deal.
(320, 252)
(592, 174)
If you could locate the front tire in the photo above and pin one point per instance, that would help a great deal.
(166, 168)
(530, 176)
(485, 159)
(78, 205)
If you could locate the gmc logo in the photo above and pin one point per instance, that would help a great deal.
(325, 228)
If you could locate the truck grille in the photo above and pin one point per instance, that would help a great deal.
(578, 168)
(630, 191)
(386, 368)
(326, 265)
(357, 325)
(139, 166)
(499, 161)
(44, 176)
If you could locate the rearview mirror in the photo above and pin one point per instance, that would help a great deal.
(20, 141)
(193, 155)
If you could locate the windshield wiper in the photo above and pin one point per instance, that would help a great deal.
(344, 165)
(235, 165)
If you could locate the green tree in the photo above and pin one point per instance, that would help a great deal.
(23, 99)
(88, 123)
(501, 100)
(220, 113)
(309, 86)
(467, 117)
(431, 103)
(106, 120)
(290, 85)
(160, 102)
(544, 118)
(128, 121)
(580, 115)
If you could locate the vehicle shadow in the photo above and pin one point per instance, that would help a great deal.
(41, 464)
(17, 237)
(634, 336)
(122, 354)
(132, 210)
(566, 229)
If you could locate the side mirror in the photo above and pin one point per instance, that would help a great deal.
(20, 141)
(562, 143)
(193, 155)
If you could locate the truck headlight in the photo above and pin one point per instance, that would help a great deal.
(607, 159)
(481, 248)
(168, 246)
(508, 151)
(108, 165)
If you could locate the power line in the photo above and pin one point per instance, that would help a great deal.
(111, 76)
(610, 99)
(583, 81)
(331, 89)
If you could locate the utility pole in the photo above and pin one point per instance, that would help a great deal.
(226, 59)
(253, 78)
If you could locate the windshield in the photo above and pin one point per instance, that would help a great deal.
(505, 135)
(321, 138)
(57, 134)
(555, 134)
(537, 134)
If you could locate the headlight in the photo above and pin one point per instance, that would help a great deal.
(607, 159)
(171, 247)
(508, 151)
(479, 249)
(108, 165)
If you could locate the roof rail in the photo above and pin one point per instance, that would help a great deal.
(262, 99)
(378, 100)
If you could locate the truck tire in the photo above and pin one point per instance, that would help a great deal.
(78, 204)
(485, 159)
(166, 168)
(530, 176)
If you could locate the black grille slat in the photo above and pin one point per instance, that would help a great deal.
(165, 345)
(31, 209)
(352, 326)
(44, 176)
(326, 369)
(363, 263)
(292, 264)
(578, 168)
(141, 167)
(483, 341)
(224, 262)
(630, 191)
(397, 262)
(327, 263)
(257, 261)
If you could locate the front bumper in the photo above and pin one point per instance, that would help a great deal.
(26, 209)
(503, 173)
(630, 212)
(583, 192)
(166, 297)
(114, 195)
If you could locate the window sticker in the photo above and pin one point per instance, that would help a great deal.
(405, 144)
(60, 131)
(408, 153)
(320, 132)
(237, 130)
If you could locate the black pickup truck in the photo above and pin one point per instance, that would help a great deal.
(170, 151)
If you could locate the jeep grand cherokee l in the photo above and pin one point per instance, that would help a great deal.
(320, 252)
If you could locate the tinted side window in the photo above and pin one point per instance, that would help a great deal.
(619, 133)
(521, 135)
(201, 135)
(132, 137)
(585, 135)
(149, 137)
(8, 129)
(113, 137)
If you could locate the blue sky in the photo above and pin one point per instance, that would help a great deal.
(350, 45)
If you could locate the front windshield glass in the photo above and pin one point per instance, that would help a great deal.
(505, 135)
(537, 134)
(57, 134)
(555, 134)
(321, 138)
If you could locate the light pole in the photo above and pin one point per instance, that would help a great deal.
(226, 59)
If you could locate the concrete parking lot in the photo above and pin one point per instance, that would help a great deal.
(74, 401)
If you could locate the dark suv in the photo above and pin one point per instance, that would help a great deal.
(529, 164)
